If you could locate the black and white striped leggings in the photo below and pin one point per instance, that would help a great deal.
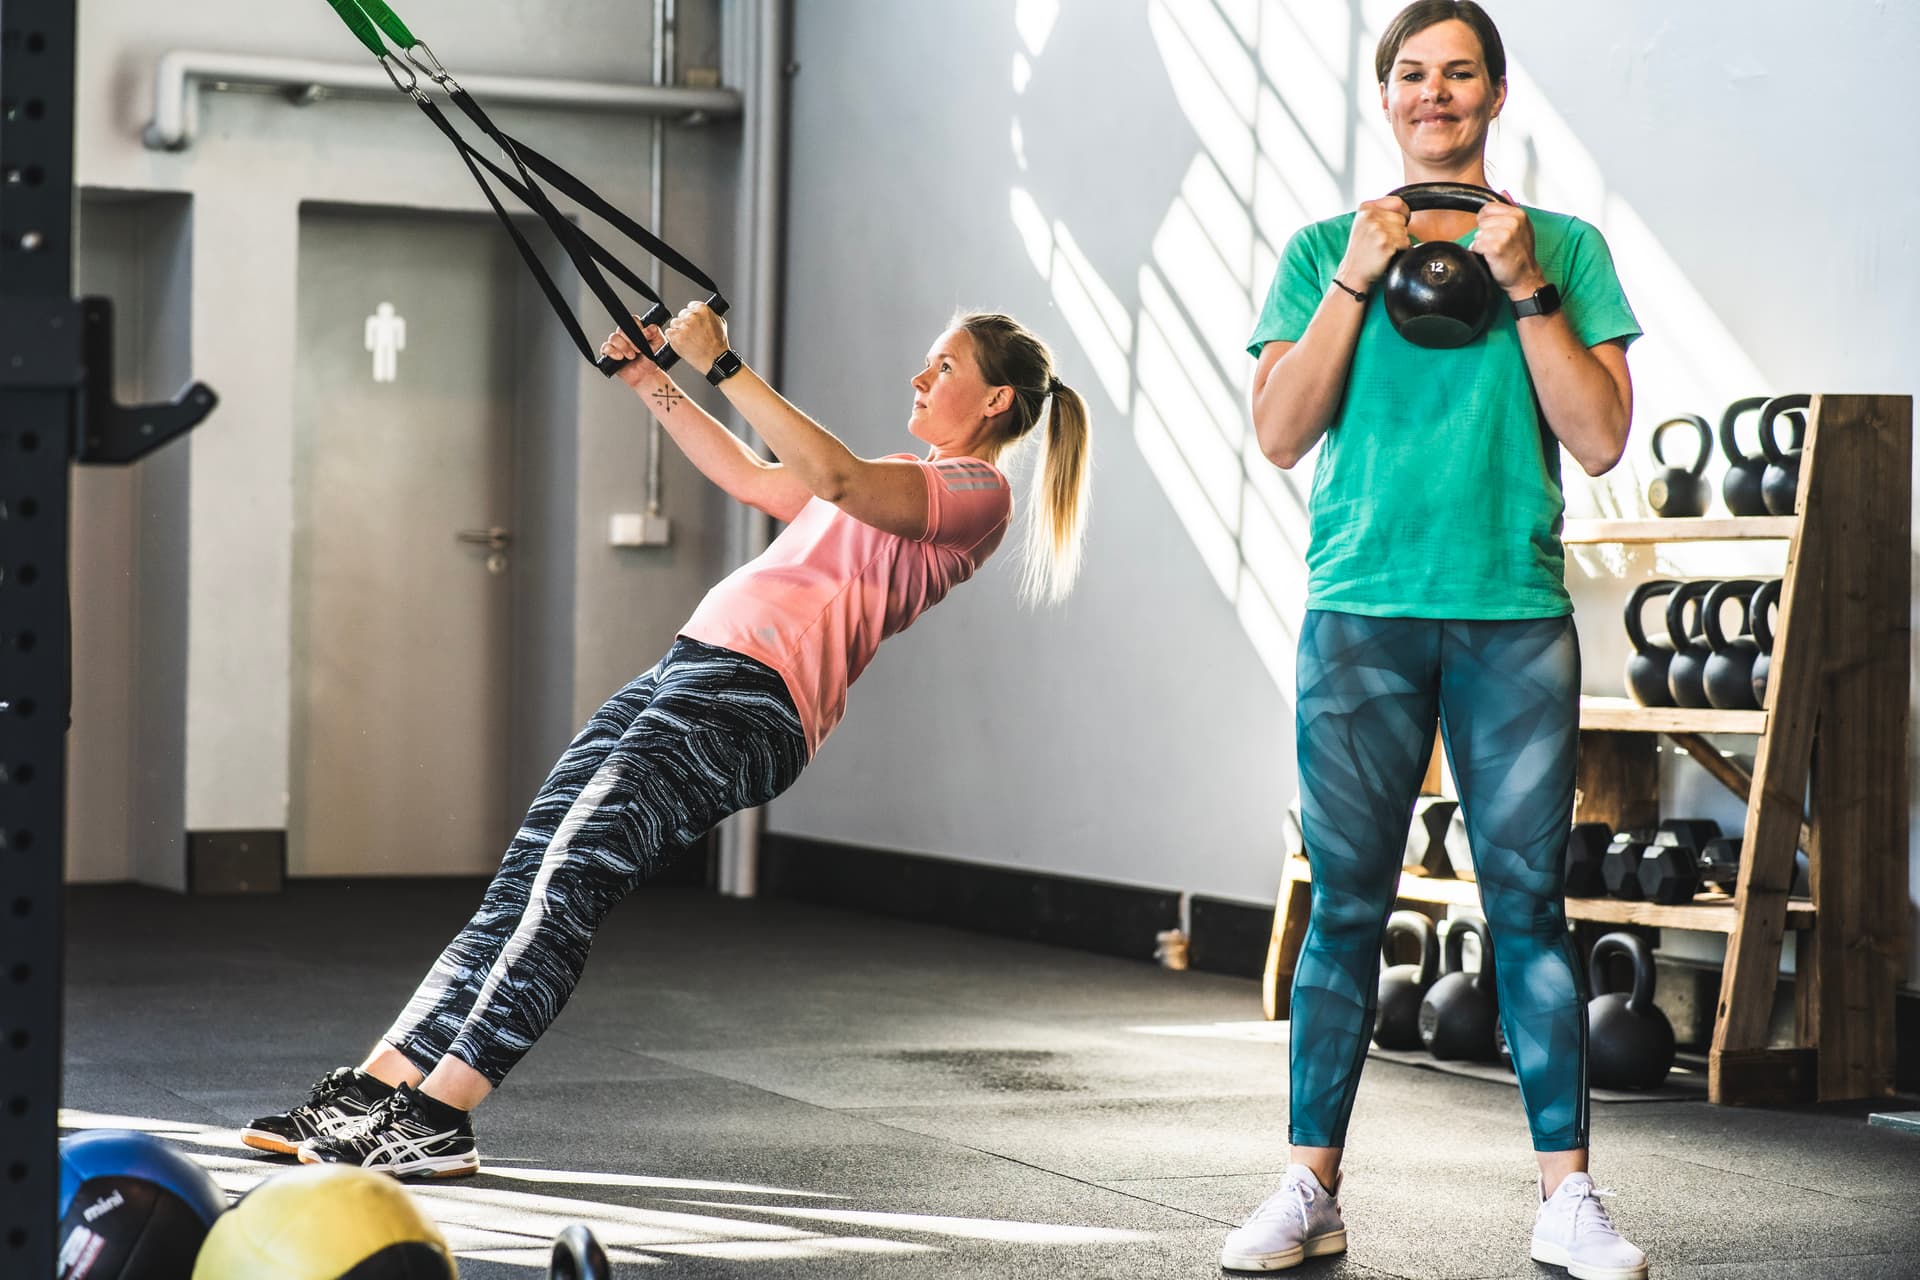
(706, 733)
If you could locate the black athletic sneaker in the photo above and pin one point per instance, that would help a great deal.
(339, 1098)
(408, 1135)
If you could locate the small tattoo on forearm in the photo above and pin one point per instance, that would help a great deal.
(668, 397)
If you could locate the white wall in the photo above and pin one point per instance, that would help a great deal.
(256, 161)
(1121, 176)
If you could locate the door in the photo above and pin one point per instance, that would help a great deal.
(403, 552)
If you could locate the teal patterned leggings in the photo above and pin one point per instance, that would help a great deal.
(1506, 696)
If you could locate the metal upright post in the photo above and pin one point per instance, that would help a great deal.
(40, 379)
(56, 409)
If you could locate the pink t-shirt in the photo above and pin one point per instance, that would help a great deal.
(816, 604)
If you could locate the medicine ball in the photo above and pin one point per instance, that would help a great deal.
(326, 1222)
(132, 1207)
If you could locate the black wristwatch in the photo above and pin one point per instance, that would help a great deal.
(1543, 301)
(729, 363)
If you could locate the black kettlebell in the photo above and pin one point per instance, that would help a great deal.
(1728, 674)
(1740, 486)
(1647, 664)
(1629, 1040)
(1686, 631)
(1439, 293)
(1780, 482)
(1678, 492)
(1458, 1013)
(1397, 1025)
(578, 1256)
(1760, 615)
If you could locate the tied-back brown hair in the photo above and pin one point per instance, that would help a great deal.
(1011, 355)
(1417, 17)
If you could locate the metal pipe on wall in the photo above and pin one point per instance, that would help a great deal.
(665, 72)
(178, 75)
(760, 28)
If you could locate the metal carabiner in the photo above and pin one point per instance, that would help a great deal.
(393, 67)
(422, 57)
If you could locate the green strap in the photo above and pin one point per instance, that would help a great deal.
(389, 22)
(357, 22)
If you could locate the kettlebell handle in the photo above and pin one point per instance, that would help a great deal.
(1730, 444)
(1757, 610)
(1699, 424)
(1457, 931)
(1681, 632)
(1636, 605)
(1636, 950)
(1770, 446)
(1461, 196)
(1412, 924)
(1740, 589)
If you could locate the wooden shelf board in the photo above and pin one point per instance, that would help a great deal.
(1626, 716)
(1708, 913)
(1701, 529)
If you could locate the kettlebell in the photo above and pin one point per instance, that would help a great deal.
(1740, 486)
(1728, 674)
(1402, 985)
(1678, 492)
(1759, 614)
(1780, 482)
(1647, 664)
(1458, 1012)
(1629, 1040)
(1438, 293)
(578, 1256)
(1687, 633)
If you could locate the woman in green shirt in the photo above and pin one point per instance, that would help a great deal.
(1435, 595)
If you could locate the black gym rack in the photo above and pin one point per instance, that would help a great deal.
(56, 411)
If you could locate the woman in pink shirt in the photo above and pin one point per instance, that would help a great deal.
(755, 681)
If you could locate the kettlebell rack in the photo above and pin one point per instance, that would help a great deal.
(1829, 777)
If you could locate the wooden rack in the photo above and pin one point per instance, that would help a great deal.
(1834, 732)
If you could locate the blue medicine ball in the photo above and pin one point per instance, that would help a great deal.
(132, 1207)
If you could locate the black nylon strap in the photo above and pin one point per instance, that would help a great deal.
(580, 248)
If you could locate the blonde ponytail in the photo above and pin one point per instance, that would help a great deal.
(1011, 355)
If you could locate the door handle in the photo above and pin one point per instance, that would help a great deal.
(493, 539)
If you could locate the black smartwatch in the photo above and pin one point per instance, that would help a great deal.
(1543, 301)
(729, 363)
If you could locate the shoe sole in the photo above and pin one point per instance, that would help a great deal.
(1286, 1259)
(441, 1167)
(1555, 1256)
(261, 1140)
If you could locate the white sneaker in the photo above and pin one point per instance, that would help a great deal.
(1573, 1230)
(1301, 1220)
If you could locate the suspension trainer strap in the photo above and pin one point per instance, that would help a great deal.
(369, 20)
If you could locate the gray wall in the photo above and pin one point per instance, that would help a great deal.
(1122, 176)
(257, 160)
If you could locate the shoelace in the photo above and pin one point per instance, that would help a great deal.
(379, 1115)
(1293, 1194)
(1590, 1215)
(331, 1085)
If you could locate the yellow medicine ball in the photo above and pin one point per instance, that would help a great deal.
(325, 1222)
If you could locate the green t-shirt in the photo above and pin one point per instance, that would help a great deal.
(1437, 490)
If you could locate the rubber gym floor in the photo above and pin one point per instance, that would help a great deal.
(747, 1089)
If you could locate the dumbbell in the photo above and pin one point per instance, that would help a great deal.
(1586, 846)
(1719, 865)
(1669, 872)
(1620, 864)
(1426, 852)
